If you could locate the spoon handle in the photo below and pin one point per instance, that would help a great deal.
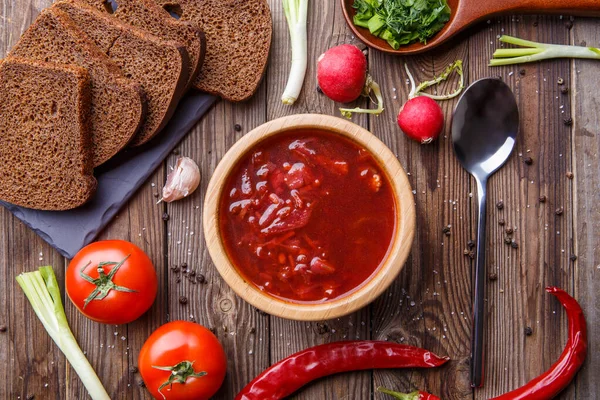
(477, 366)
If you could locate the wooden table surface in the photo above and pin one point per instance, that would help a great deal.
(429, 304)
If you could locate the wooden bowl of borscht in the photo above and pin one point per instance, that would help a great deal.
(309, 217)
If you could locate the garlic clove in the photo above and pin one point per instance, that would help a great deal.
(182, 180)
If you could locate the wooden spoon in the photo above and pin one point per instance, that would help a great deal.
(466, 12)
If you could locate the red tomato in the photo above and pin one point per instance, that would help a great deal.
(182, 360)
(123, 292)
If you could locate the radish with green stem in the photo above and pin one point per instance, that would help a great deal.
(342, 76)
(534, 51)
(421, 117)
(296, 12)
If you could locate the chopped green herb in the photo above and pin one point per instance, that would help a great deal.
(401, 22)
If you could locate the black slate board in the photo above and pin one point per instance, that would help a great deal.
(118, 180)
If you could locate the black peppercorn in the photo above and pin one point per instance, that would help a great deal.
(200, 278)
(175, 152)
(183, 300)
(559, 211)
(501, 222)
(528, 160)
(446, 230)
(568, 121)
(133, 369)
(542, 199)
(500, 205)
(3, 328)
(165, 217)
(514, 245)
(322, 328)
(507, 240)
(470, 244)
(568, 24)
(573, 257)
(569, 175)
(493, 276)
(564, 90)
(522, 72)
(528, 331)
(237, 127)
(319, 90)
(509, 230)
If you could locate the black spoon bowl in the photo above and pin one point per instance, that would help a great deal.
(485, 124)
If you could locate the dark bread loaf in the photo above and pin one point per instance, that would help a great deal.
(117, 107)
(238, 40)
(160, 67)
(45, 144)
(147, 15)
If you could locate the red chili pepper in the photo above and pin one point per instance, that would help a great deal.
(290, 374)
(416, 395)
(553, 381)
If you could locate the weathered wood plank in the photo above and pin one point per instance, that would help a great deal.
(33, 364)
(113, 350)
(517, 299)
(585, 104)
(214, 304)
(326, 29)
(428, 305)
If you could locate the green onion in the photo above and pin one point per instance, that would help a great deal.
(296, 12)
(534, 51)
(41, 288)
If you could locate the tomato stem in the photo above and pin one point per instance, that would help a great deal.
(179, 374)
(104, 283)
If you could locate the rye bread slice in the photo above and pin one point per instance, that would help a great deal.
(147, 15)
(45, 144)
(160, 67)
(238, 40)
(117, 106)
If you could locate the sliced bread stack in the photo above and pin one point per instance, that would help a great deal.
(117, 107)
(90, 77)
(159, 66)
(148, 16)
(44, 139)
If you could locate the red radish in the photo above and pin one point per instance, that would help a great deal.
(342, 76)
(421, 119)
(342, 73)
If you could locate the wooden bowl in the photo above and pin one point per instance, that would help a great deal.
(377, 283)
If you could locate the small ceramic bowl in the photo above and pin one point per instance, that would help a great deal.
(382, 45)
(377, 282)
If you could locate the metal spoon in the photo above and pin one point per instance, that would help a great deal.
(484, 130)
